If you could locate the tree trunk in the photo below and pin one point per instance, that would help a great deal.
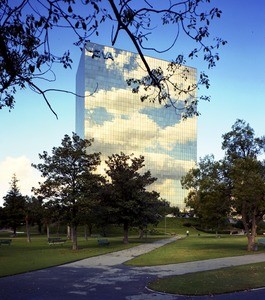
(141, 233)
(251, 234)
(74, 237)
(90, 229)
(251, 238)
(48, 230)
(125, 230)
(39, 228)
(86, 234)
(14, 231)
(69, 236)
(251, 242)
(58, 228)
(28, 229)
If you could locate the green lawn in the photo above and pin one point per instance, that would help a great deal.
(204, 247)
(193, 248)
(221, 281)
(23, 257)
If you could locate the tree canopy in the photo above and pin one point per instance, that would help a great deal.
(247, 174)
(236, 183)
(209, 194)
(241, 142)
(28, 54)
(69, 177)
(14, 206)
(132, 204)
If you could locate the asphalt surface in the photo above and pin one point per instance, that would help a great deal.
(105, 277)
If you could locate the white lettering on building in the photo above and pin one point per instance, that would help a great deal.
(100, 54)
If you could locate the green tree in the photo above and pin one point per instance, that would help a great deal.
(34, 212)
(241, 142)
(65, 172)
(149, 210)
(235, 184)
(246, 172)
(27, 52)
(209, 193)
(132, 204)
(2, 217)
(174, 210)
(52, 213)
(248, 194)
(14, 206)
(91, 204)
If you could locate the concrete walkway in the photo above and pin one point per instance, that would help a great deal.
(106, 278)
(119, 257)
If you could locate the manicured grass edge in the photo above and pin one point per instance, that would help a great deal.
(214, 282)
(22, 257)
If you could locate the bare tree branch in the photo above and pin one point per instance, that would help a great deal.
(27, 55)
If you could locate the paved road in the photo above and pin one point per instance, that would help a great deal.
(106, 278)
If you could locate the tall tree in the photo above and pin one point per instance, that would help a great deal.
(242, 150)
(27, 52)
(64, 172)
(130, 200)
(91, 201)
(14, 206)
(248, 177)
(209, 193)
(52, 213)
(34, 213)
(237, 183)
(241, 142)
(36, 209)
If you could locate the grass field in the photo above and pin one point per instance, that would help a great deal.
(194, 248)
(23, 257)
(221, 281)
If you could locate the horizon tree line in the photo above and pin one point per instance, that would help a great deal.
(74, 193)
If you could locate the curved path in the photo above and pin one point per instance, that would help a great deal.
(106, 278)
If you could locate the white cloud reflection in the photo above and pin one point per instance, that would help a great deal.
(119, 121)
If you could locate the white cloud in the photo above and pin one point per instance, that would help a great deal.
(25, 173)
(180, 133)
(170, 191)
(130, 126)
(116, 101)
(132, 130)
(164, 166)
(132, 135)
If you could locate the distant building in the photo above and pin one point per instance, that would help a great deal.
(118, 121)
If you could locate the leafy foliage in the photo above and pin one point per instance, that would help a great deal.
(69, 177)
(247, 174)
(27, 53)
(131, 203)
(241, 142)
(14, 206)
(209, 194)
(34, 211)
(249, 189)
(235, 184)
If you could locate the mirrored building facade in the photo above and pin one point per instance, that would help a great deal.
(119, 122)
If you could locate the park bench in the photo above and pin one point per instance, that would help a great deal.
(5, 242)
(103, 242)
(56, 240)
(261, 241)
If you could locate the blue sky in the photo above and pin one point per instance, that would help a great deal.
(237, 91)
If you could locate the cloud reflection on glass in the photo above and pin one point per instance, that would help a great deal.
(118, 121)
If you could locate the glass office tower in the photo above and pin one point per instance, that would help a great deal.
(119, 122)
